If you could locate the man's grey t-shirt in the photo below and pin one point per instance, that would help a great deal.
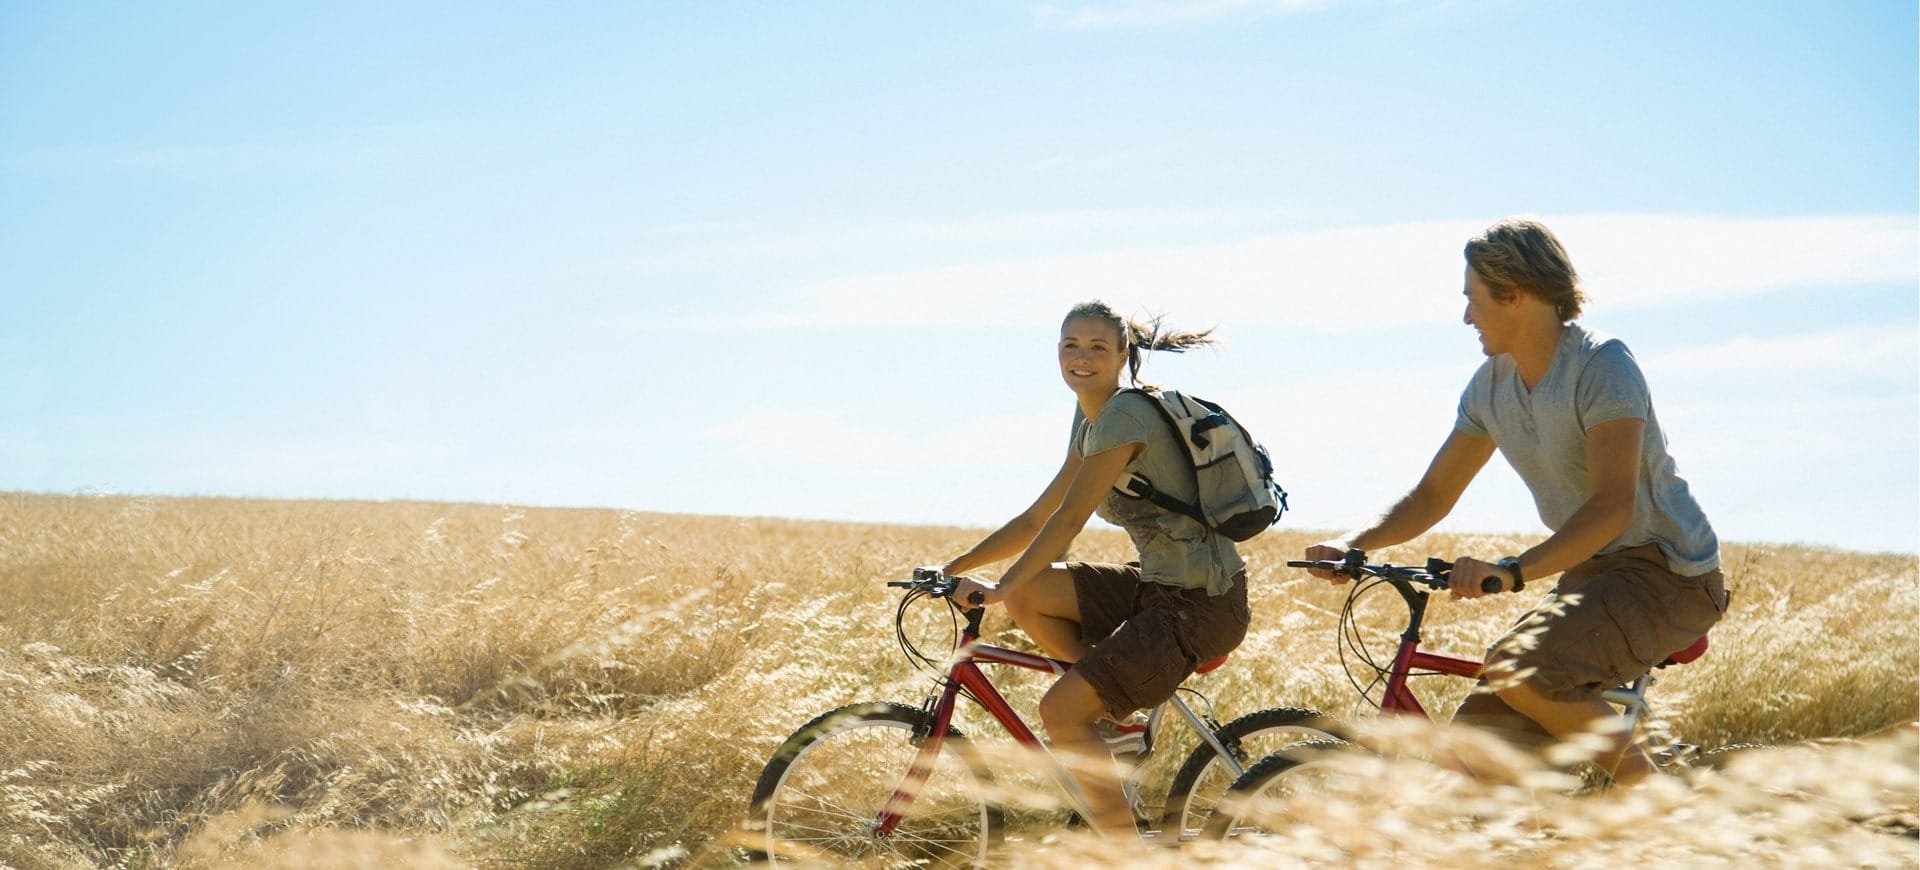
(1175, 550)
(1593, 379)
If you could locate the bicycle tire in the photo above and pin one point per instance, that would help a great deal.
(818, 797)
(1263, 782)
(1203, 779)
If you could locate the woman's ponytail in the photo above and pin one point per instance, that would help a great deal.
(1140, 336)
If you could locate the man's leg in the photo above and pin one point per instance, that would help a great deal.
(1047, 608)
(1624, 760)
(1483, 711)
(1586, 636)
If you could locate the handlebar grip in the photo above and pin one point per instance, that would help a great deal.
(1492, 584)
(1297, 563)
(977, 598)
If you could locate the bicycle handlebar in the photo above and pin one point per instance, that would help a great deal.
(1434, 576)
(936, 584)
(1433, 579)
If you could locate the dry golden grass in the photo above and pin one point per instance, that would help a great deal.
(224, 683)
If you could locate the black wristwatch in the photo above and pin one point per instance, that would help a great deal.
(1512, 563)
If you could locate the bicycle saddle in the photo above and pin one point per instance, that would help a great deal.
(1696, 650)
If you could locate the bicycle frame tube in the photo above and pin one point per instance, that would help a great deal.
(1632, 699)
(967, 674)
(1206, 733)
(964, 673)
(1409, 658)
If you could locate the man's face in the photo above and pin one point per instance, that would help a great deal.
(1488, 316)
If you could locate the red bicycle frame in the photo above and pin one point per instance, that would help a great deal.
(964, 673)
(1408, 658)
(1399, 698)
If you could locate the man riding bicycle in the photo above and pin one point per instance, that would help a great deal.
(1570, 411)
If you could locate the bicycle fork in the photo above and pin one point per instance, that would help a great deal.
(940, 708)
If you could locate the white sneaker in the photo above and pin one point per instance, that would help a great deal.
(1126, 740)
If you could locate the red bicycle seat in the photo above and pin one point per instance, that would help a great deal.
(1698, 649)
(1208, 666)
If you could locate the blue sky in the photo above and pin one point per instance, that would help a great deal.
(808, 259)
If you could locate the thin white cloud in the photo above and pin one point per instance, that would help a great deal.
(1647, 261)
(330, 151)
(1883, 351)
(1154, 13)
(1339, 280)
(834, 439)
(954, 239)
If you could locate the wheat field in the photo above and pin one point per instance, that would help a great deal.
(240, 683)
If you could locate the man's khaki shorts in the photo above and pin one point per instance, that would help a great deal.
(1622, 614)
(1147, 637)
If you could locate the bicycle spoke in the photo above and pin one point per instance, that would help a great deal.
(827, 795)
(918, 819)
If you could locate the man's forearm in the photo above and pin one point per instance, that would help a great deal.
(1596, 524)
(1408, 519)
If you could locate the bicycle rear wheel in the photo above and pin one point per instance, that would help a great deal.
(1717, 757)
(1205, 777)
(1305, 771)
(820, 796)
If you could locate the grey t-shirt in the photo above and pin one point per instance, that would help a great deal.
(1593, 379)
(1175, 550)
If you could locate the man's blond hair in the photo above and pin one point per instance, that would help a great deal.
(1518, 255)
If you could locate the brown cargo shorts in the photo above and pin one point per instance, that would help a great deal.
(1149, 637)
(1611, 619)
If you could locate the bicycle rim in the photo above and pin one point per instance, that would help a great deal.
(1204, 779)
(820, 796)
(1261, 801)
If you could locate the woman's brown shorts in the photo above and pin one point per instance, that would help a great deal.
(1620, 614)
(1148, 637)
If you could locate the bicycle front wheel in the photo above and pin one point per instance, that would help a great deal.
(1257, 802)
(819, 799)
(1205, 777)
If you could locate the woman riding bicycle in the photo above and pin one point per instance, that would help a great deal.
(1134, 631)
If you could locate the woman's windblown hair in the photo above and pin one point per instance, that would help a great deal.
(1139, 336)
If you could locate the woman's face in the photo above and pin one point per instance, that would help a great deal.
(1092, 355)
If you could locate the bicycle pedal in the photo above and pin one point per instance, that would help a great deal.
(1679, 754)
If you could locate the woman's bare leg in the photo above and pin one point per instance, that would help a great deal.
(1048, 610)
(1069, 710)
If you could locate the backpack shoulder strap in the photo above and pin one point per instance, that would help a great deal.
(1139, 486)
